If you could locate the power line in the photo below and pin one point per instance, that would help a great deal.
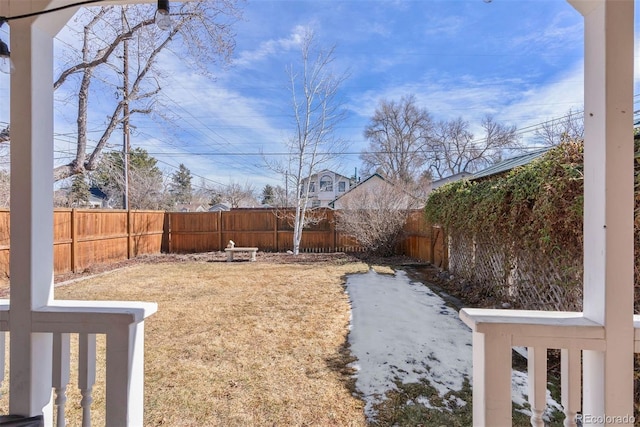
(346, 153)
(207, 127)
(54, 9)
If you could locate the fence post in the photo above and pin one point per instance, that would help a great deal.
(275, 233)
(219, 219)
(433, 236)
(333, 226)
(74, 240)
(166, 236)
(129, 239)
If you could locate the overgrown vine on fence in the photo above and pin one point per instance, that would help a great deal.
(537, 206)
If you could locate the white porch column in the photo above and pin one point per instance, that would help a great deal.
(31, 202)
(31, 215)
(608, 204)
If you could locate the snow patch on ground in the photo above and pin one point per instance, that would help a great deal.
(520, 391)
(403, 331)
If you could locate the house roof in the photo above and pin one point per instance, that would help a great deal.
(507, 165)
(332, 203)
(220, 207)
(98, 193)
(326, 171)
(451, 178)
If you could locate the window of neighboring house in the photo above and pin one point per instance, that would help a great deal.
(326, 183)
(312, 187)
(315, 203)
(342, 186)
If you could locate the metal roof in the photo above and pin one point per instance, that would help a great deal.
(509, 164)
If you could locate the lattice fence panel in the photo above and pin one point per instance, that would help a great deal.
(525, 278)
(492, 266)
(461, 257)
(544, 282)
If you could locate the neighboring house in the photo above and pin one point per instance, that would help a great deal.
(446, 180)
(373, 192)
(597, 345)
(220, 207)
(326, 186)
(98, 198)
(495, 169)
(189, 207)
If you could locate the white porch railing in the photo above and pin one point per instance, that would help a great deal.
(496, 332)
(123, 325)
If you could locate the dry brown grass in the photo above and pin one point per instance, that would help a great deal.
(238, 344)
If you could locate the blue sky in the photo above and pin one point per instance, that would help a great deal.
(520, 61)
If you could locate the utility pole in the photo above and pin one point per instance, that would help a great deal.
(125, 113)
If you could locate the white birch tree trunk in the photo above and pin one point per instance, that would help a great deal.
(317, 110)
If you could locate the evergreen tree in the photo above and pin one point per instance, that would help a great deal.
(180, 186)
(79, 192)
(268, 195)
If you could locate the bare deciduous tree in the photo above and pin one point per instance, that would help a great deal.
(570, 127)
(238, 195)
(316, 108)
(4, 189)
(234, 194)
(405, 144)
(202, 31)
(454, 149)
(375, 215)
(147, 191)
(397, 133)
(206, 194)
(280, 197)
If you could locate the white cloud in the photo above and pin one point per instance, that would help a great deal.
(444, 26)
(217, 132)
(541, 102)
(270, 48)
(553, 38)
(377, 28)
(526, 70)
(514, 100)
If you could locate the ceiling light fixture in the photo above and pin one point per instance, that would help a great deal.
(163, 19)
(6, 64)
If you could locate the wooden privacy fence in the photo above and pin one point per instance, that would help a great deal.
(424, 241)
(83, 237)
(191, 232)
